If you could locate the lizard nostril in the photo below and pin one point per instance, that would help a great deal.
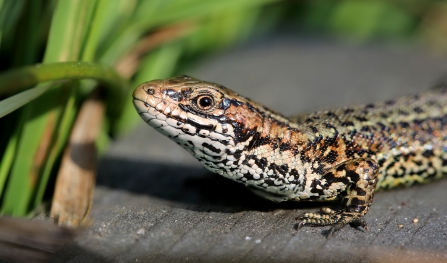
(150, 91)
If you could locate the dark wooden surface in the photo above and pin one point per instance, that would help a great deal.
(155, 203)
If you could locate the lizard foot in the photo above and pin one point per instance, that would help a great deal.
(336, 218)
(355, 200)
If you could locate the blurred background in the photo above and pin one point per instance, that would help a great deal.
(142, 40)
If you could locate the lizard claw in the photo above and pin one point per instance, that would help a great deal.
(300, 224)
(359, 223)
(336, 219)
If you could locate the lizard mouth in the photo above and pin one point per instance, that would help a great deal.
(166, 124)
(159, 112)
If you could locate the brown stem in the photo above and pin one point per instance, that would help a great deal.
(128, 64)
(76, 178)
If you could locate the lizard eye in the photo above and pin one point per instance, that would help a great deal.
(205, 102)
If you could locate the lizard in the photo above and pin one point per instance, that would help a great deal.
(343, 155)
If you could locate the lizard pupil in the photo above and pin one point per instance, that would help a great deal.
(205, 102)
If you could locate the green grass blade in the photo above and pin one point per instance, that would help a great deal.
(99, 23)
(31, 153)
(62, 135)
(26, 37)
(24, 78)
(174, 12)
(8, 157)
(10, 11)
(14, 102)
(68, 30)
(42, 116)
(112, 26)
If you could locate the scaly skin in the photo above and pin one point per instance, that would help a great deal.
(344, 154)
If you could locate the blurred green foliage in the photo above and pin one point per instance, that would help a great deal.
(136, 39)
(421, 22)
(142, 40)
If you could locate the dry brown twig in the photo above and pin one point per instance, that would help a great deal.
(23, 240)
(128, 64)
(75, 182)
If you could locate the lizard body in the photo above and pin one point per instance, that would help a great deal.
(344, 154)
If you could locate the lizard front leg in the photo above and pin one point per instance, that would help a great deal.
(361, 178)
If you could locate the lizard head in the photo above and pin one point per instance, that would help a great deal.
(205, 118)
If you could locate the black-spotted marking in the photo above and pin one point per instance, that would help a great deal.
(211, 148)
(428, 153)
(199, 126)
(348, 111)
(418, 110)
(313, 129)
(347, 123)
(390, 102)
(283, 169)
(361, 118)
(261, 163)
(331, 157)
(175, 96)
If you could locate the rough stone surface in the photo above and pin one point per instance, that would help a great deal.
(155, 203)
